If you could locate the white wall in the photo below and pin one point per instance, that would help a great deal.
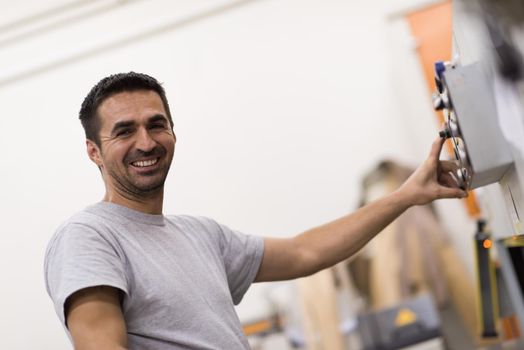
(279, 108)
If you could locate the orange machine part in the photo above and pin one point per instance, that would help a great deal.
(257, 327)
(431, 27)
(510, 327)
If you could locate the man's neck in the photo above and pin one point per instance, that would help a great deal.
(151, 205)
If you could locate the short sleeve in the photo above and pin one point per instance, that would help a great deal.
(79, 257)
(242, 256)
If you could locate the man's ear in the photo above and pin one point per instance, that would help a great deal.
(93, 151)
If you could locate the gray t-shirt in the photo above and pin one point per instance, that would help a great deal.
(180, 275)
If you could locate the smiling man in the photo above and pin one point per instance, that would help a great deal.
(134, 146)
(122, 275)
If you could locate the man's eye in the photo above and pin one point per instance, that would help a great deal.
(157, 126)
(124, 132)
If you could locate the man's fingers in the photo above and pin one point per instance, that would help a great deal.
(436, 147)
(447, 192)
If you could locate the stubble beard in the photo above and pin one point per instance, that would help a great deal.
(134, 190)
(130, 188)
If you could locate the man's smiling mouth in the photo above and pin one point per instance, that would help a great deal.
(144, 163)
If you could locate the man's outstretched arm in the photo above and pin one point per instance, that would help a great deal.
(333, 242)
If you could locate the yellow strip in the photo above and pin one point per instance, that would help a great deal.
(514, 241)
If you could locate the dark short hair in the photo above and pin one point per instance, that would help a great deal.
(113, 84)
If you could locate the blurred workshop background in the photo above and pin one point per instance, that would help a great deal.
(288, 113)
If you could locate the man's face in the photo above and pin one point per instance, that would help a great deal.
(136, 143)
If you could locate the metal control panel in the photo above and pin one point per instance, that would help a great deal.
(465, 96)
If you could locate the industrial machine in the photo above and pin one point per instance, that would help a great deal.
(482, 95)
(465, 95)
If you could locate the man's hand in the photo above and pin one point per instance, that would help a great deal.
(432, 179)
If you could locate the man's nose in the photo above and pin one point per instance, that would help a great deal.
(144, 141)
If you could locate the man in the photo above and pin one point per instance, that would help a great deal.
(123, 275)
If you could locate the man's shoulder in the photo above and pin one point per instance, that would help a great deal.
(88, 217)
(85, 221)
(81, 229)
(198, 223)
(202, 228)
(191, 220)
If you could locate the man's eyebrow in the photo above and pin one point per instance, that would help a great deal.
(156, 118)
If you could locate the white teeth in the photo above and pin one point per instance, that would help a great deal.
(144, 163)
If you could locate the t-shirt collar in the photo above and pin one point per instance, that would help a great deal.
(132, 214)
